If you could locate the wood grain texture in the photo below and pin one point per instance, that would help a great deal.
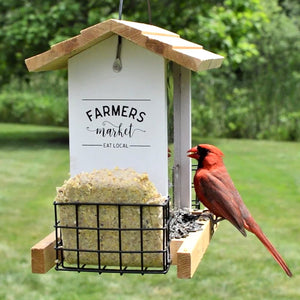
(174, 247)
(192, 250)
(43, 255)
(155, 39)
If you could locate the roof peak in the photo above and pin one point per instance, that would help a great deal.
(158, 40)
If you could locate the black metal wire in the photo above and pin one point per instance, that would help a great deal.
(148, 7)
(77, 236)
(120, 9)
(142, 240)
(98, 237)
(149, 12)
(120, 238)
(61, 265)
(195, 202)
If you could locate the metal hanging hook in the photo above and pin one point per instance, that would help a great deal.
(117, 66)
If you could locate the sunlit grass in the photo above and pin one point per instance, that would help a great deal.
(266, 173)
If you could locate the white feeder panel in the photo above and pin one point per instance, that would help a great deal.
(118, 119)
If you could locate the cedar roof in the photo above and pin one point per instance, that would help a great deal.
(160, 41)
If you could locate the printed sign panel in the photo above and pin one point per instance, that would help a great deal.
(118, 123)
(118, 119)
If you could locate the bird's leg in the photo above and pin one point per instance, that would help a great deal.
(218, 219)
(206, 214)
(215, 220)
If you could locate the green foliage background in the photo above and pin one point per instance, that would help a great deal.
(255, 94)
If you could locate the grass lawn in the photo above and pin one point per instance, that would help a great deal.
(34, 160)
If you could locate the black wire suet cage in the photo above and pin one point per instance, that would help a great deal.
(120, 267)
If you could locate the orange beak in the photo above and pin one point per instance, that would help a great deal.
(193, 153)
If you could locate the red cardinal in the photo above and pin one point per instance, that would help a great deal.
(215, 189)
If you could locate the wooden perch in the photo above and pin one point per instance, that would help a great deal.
(43, 255)
(191, 251)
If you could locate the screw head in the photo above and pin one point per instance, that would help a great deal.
(117, 66)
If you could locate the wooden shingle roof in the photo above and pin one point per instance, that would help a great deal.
(160, 41)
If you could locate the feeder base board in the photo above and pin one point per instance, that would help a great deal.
(186, 253)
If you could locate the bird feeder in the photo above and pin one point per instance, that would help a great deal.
(118, 113)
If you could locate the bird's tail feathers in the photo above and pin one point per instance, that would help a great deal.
(254, 228)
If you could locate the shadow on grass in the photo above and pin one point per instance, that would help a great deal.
(28, 136)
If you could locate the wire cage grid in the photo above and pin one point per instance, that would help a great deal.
(195, 200)
(61, 265)
(120, 268)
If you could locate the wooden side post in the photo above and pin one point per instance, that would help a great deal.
(182, 136)
(43, 255)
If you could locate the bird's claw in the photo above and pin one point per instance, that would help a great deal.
(207, 215)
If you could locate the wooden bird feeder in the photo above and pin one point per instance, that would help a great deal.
(118, 113)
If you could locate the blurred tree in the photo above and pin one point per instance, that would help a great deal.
(260, 97)
(31, 26)
(253, 95)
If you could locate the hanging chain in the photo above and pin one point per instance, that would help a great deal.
(117, 66)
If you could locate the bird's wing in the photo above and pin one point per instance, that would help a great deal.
(222, 198)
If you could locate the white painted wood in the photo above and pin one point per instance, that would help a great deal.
(182, 136)
(130, 104)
